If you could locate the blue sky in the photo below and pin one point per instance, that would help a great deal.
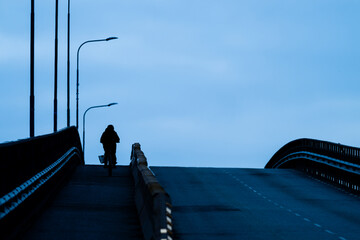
(199, 83)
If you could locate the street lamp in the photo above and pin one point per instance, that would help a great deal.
(99, 106)
(32, 67)
(77, 74)
(68, 67)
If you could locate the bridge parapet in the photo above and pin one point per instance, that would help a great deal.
(20, 160)
(333, 150)
(331, 161)
(31, 171)
(153, 203)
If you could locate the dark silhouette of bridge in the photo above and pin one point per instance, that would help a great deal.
(308, 190)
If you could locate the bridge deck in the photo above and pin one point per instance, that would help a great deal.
(214, 203)
(91, 206)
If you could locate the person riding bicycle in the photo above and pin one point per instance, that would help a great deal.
(109, 138)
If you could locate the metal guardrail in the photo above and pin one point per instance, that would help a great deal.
(337, 163)
(332, 162)
(15, 198)
(333, 150)
(21, 160)
(31, 172)
(153, 203)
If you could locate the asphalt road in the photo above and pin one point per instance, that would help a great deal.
(91, 206)
(215, 203)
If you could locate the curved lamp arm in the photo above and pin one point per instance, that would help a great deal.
(99, 106)
(77, 73)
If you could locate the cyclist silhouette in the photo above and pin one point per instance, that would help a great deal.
(109, 138)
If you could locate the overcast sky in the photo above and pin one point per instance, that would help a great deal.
(199, 83)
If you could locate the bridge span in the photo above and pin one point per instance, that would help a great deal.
(308, 190)
(207, 203)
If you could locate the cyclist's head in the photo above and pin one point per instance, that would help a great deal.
(110, 127)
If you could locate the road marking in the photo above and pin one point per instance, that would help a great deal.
(289, 210)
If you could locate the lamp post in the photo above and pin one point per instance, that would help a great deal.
(68, 67)
(56, 63)
(32, 65)
(77, 74)
(99, 106)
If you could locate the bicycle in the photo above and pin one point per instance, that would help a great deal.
(110, 162)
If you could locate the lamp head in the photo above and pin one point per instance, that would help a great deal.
(110, 104)
(111, 38)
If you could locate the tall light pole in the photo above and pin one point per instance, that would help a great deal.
(32, 44)
(77, 74)
(68, 66)
(99, 106)
(56, 63)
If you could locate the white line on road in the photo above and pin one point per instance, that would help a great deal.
(317, 225)
(288, 209)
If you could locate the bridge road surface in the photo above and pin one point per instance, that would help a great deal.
(91, 206)
(215, 203)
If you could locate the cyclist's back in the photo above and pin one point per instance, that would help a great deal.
(109, 138)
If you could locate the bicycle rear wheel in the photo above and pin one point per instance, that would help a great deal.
(110, 165)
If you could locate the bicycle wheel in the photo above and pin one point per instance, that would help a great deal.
(110, 165)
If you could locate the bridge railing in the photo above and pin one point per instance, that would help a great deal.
(331, 161)
(153, 203)
(334, 150)
(31, 171)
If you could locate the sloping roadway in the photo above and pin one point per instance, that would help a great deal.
(215, 203)
(91, 206)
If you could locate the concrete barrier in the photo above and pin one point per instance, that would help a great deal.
(153, 203)
(31, 172)
(22, 159)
